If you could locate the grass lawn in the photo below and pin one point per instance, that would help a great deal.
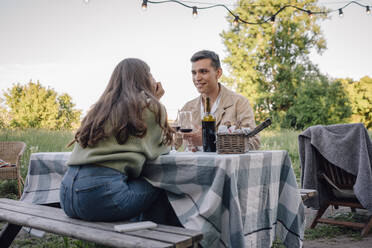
(55, 141)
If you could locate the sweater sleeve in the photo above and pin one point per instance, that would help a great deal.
(153, 145)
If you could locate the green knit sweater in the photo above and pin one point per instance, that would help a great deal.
(128, 158)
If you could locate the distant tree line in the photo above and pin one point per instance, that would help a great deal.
(317, 100)
(270, 65)
(34, 106)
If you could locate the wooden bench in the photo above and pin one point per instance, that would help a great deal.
(307, 193)
(54, 220)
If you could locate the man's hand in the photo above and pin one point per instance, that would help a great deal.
(194, 139)
(177, 140)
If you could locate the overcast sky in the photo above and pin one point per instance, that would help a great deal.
(73, 47)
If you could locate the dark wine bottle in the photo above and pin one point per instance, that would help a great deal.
(208, 129)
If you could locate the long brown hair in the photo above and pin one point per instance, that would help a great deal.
(118, 111)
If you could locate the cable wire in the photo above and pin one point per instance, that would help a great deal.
(237, 19)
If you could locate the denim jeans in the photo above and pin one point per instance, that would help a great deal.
(97, 193)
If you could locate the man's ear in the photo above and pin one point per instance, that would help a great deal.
(219, 72)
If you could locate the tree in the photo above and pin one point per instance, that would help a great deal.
(4, 116)
(319, 102)
(267, 63)
(360, 95)
(67, 116)
(34, 106)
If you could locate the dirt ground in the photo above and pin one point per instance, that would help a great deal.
(339, 242)
(336, 242)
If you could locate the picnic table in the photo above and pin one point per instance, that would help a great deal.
(235, 200)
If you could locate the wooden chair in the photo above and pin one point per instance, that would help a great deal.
(341, 193)
(11, 152)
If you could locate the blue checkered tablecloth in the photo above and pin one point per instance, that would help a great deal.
(236, 200)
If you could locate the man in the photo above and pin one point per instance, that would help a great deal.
(226, 104)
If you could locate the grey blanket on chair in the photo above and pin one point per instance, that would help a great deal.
(347, 146)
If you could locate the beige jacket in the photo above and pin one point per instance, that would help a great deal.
(232, 107)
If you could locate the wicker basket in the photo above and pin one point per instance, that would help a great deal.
(232, 143)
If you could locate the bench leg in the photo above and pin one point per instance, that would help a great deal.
(8, 234)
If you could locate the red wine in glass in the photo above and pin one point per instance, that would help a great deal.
(176, 127)
(185, 120)
(186, 130)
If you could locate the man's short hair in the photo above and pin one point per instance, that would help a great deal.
(206, 54)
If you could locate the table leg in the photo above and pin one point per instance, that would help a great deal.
(8, 234)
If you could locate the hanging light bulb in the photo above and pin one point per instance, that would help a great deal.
(368, 11)
(144, 5)
(310, 13)
(272, 19)
(340, 13)
(236, 21)
(86, 1)
(194, 12)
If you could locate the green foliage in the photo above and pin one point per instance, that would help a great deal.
(37, 141)
(277, 244)
(318, 102)
(34, 106)
(4, 116)
(284, 139)
(262, 56)
(270, 65)
(327, 231)
(360, 95)
(8, 189)
(53, 241)
(331, 231)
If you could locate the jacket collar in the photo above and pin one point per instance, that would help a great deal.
(225, 103)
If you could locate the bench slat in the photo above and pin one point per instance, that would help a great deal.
(181, 237)
(179, 240)
(58, 214)
(196, 235)
(77, 231)
(307, 193)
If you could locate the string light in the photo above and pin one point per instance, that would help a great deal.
(310, 13)
(236, 21)
(194, 11)
(340, 13)
(270, 19)
(144, 5)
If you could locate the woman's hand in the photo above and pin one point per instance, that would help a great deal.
(158, 90)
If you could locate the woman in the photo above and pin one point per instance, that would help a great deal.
(127, 126)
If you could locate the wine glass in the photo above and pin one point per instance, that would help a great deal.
(185, 122)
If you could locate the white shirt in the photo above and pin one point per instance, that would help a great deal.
(213, 109)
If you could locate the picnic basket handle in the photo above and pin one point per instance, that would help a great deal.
(260, 127)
